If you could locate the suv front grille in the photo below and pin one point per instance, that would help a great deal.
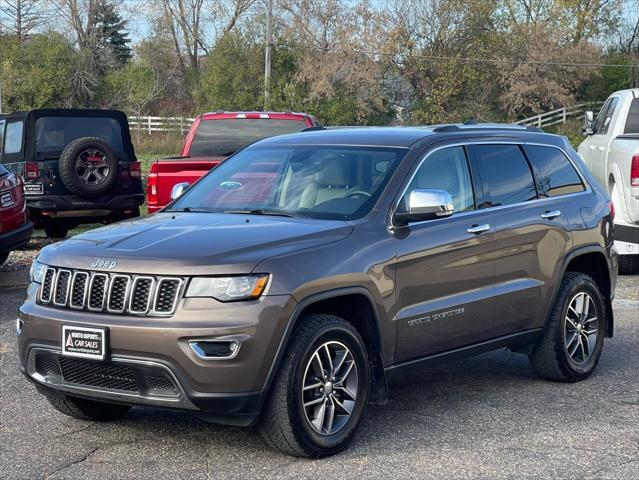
(112, 293)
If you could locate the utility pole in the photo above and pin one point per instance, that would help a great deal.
(268, 54)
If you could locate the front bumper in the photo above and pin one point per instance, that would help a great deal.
(225, 391)
(15, 238)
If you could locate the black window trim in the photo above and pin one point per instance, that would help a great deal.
(469, 143)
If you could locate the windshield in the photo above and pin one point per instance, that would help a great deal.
(223, 137)
(325, 182)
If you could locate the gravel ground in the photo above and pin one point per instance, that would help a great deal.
(483, 417)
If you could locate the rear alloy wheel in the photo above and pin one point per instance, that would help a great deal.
(321, 390)
(571, 344)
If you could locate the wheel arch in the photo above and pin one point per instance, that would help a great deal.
(590, 260)
(357, 306)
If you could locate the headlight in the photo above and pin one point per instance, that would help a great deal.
(36, 273)
(227, 289)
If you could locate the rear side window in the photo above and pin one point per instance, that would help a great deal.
(555, 174)
(13, 137)
(53, 134)
(632, 122)
(505, 175)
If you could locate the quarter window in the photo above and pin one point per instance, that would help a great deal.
(13, 137)
(505, 174)
(447, 169)
(555, 174)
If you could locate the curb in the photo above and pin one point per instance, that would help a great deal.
(14, 279)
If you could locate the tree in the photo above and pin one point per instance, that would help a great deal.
(112, 32)
(35, 74)
(133, 88)
(21, 17)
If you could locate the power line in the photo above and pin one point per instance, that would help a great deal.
(373, 53)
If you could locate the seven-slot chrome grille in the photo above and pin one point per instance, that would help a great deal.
(113, 293)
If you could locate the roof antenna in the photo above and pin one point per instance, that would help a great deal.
(470, 121)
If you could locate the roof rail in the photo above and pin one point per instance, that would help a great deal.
(484, 126)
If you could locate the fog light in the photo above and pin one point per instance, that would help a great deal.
(215, 349)
(19, 326)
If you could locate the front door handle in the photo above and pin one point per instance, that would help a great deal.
(601, 149)
(551, 214)
(591, 147)
(478, 229)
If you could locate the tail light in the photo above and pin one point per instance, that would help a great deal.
(611, 209)
(32, 171)
(634, 171)
(135, 169)
(152, 186)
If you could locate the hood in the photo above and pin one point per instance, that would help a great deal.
(192, 243)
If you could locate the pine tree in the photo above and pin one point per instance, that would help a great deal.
(113, 31)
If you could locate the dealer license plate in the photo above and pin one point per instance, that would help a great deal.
(85, 342)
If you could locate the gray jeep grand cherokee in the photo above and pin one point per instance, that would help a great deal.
(287, 285)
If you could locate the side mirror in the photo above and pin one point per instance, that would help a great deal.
(589, 120)
(178, 189)
(425, 204)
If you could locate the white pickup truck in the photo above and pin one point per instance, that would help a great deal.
(611, 151)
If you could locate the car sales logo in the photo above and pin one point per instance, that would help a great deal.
(102, 263)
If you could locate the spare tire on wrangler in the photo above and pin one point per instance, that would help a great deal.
(88, 166)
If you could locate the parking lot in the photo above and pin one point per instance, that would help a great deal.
(487, 416)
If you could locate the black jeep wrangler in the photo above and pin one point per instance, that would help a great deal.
(79, 166)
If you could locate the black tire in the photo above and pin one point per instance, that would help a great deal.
(284, 423)
(56, 230)
(89, 409)
(629, 264)
(550, 357)
(72, 179)
(3, 257)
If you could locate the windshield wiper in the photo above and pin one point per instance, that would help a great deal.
(259, 211)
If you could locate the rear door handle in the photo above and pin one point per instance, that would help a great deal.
(478, 229)
(601, 149)
(591, 147)
(551, 214)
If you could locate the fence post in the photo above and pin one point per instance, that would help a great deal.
(563, 116)
(182, 125)
(539, 121)
(149, 122)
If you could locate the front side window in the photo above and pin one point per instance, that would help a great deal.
(13, 137)
(223, 137)
(53, 134)
(556, 175)
(323, 182)
(607, 119)
(447, 169)
(505, 174)
(599, 121)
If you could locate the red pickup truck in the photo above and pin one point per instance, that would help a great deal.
(214, 137)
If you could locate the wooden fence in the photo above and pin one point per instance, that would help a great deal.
(152, 125)
(561, 115)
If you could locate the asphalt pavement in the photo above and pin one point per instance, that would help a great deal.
(483, 417)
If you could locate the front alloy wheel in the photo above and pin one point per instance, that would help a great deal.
(330, 388)
(320, 392)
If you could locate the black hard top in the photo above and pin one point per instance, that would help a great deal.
(406, 137)
(68, 112)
